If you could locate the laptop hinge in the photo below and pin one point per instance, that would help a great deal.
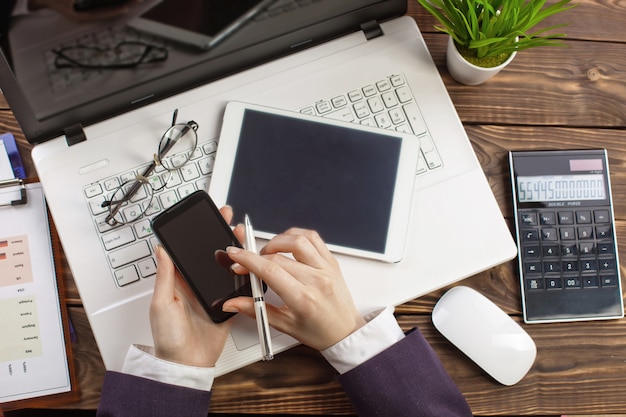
(371, 29)
(74, 134)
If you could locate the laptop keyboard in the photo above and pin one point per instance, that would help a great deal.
(387, 103)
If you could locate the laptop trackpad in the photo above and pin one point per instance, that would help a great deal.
(244, 331)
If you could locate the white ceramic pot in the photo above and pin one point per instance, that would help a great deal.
(466, 72)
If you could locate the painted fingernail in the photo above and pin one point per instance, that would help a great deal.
(233, 249)
(230, 309)
(236, 268)
(158, 251)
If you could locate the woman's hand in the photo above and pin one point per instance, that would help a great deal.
(182, 331)
(318, 310)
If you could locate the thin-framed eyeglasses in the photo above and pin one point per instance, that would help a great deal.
(132, 199)
(124, 55)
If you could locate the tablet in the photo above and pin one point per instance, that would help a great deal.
(352, 183)
(199, 23)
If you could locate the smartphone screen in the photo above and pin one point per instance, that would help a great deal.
(193, 232)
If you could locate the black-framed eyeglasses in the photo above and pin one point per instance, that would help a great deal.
(127, 54)
(133, 198)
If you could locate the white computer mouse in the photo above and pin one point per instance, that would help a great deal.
(485, 333)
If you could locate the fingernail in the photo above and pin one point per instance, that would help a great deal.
(230, 309)
(235, 267)
(233, 249)
(158, 251)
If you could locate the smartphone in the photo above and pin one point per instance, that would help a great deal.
(195, 235)
(198, 23)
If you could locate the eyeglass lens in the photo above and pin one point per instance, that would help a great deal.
(134, 197)
(179, 141)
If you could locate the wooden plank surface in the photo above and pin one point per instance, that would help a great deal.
(573, 97)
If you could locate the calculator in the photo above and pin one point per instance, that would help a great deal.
(567, 250)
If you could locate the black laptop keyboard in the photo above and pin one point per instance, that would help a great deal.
(386, 102)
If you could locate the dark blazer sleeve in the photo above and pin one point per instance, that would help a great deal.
(128, 395)
(407, 379)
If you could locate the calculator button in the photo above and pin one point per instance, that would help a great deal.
(550, 250)
(567, 233)
(571, 282)
(566, 217)
(589, 265)
(547, 218)
(532, 267)
(549, 267)
(569, 266)
(530, 235)
(608, 280)
(586, 248)
(591, 281)
(548, 234)
(569, 250)
(531, 251)
(553, 283)
(534, 284)
(528, 219)
(605, 248)
(606, 264)
(601, 216)
(604, 232)
(585, 232)
(583, 217)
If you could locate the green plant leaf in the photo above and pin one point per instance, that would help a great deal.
(494, 27)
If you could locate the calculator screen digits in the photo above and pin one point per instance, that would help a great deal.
(547, 188)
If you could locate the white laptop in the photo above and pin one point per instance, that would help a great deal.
(362, 62)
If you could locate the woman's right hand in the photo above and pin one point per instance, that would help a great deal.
(318, 310)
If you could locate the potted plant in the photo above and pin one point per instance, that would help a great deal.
(485, 35)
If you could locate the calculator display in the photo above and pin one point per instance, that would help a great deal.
(560, 188)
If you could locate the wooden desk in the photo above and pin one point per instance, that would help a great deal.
(559, 98)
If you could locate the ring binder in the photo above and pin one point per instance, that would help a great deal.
(23, 196)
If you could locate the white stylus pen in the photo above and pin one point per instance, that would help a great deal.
(260, 309)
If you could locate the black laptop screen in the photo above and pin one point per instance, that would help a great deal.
(47, 97)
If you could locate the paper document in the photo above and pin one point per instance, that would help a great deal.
(33, 359)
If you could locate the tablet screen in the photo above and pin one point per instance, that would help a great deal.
(333, 179)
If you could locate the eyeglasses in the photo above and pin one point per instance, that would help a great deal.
(133, 198)
(127, 54)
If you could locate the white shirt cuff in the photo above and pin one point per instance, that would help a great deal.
(380, 332)
(140, 361)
